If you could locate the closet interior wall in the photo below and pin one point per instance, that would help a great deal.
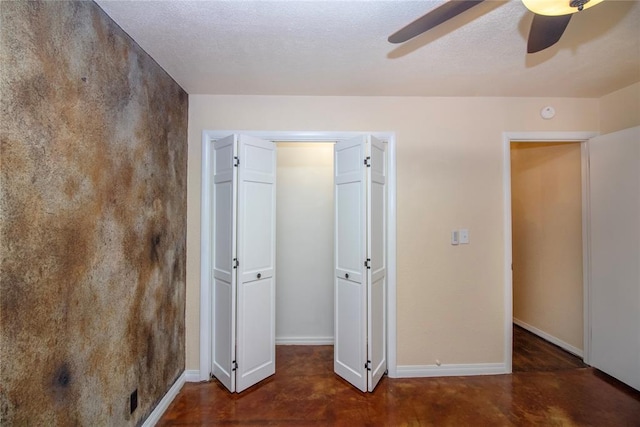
(304, 243)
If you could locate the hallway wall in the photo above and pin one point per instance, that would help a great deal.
(546, 199)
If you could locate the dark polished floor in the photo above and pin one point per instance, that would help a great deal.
(533, 354)
(305, 392)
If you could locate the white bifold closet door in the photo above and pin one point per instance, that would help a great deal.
(614, 199)
(243, 209)
(360, 261)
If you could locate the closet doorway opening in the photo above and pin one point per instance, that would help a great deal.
(304, 243)
(287, 139)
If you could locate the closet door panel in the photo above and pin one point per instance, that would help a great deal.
(256, 256)
(377, 263)
(224, 249)
(350, 346)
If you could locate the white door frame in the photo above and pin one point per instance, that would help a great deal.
(208, 136)
(533, 137)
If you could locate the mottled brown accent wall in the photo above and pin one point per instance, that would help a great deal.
(93, 139)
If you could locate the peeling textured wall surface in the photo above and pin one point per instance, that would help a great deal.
(93, 139)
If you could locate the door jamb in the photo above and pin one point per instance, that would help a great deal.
(534, 137)
(208, 137)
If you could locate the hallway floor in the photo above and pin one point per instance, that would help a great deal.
(305, 392)
(533, 354)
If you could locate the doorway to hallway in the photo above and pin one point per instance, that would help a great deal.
(547, 223)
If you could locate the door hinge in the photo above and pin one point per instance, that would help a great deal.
(367, 161)
(367, 365)
(367, 263)
(235, 366)
(236, 161)
(236, 263)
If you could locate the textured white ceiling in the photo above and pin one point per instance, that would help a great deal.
(340, 48)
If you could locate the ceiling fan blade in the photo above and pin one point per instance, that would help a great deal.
(546, 31)
(435, 17)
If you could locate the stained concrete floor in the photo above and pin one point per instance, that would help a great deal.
(533, 354)
(305, 392)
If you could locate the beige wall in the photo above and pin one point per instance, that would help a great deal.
(304, 242)
(546, 199)
(450, 174)
(620, 109)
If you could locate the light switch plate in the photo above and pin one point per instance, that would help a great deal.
(464, 236)
(454, 237)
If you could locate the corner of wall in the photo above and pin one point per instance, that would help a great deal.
(620, 109)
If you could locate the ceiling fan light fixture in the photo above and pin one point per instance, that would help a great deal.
(558, 7)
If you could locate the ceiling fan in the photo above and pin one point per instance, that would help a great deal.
(550, 19)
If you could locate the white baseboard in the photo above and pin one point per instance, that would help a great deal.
(159, 410)
(192, 376)
(557, 341)
(418, 371)
(304, 340)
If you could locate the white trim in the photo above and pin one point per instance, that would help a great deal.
(586, 252)
(205, 265)
(508, 257)
(549, 136)
(553, 340)
(507, 138)
(392, 364)
(205, 231)
(420, 371)
(192, 376)
(161, 407)
(304, 340)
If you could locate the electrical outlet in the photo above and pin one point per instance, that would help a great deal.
(133, 401)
